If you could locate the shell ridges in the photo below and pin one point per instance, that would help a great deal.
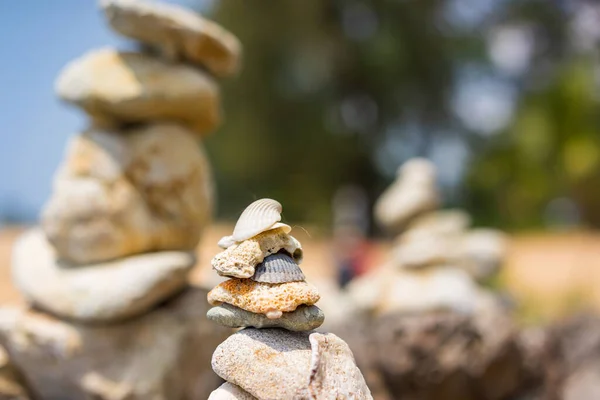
(278, 268)
(260, 216)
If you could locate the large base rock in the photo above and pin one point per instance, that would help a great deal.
(101, 292)
(11, 387)
(571, 360)
(438, 356)
(277, 364)
(164, 355)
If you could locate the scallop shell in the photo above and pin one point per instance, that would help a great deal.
(260, 216)
(278, 268)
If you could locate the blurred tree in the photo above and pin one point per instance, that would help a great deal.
(552, 149)
(342, 92)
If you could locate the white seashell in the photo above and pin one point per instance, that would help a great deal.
(296, 249)
(226, 241)
(260, 216)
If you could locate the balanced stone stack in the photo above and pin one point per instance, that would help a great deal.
(277, 355)
(436, 261)
(128, 207)
(423, 326)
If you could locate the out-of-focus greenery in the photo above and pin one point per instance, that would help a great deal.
(336, 92)
(552, 148)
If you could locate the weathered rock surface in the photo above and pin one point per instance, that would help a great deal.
(441, 222)
(480, 252)
(101, 292)
(11, 387)
(120, 87)
(391, 289)
(164, 355)
(278, 364)
(178, 32)
(334, 373)
(302, 319)
(262, 298)
(424, 250)
(121, 193)
(413, 193)
(571, 359)
(435, 356)
(229, 391)
(240, 260)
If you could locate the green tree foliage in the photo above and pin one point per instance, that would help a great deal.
(552, 149)
(337, 92)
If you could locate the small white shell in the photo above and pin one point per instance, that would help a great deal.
(226, 242)
(260, 216)
(295, 249)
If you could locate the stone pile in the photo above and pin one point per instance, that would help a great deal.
(129, 203)
(423, 326)
(278, 355)
(437, 261)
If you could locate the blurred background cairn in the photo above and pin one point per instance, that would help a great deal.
(129, 204)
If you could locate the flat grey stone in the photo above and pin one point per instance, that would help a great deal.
(302, 319)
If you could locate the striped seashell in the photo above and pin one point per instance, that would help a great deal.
(260, 216)
(278, 268)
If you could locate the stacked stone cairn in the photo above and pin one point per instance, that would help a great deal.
(423, 327)
(129, 204)
(277, 355)
(437, 261)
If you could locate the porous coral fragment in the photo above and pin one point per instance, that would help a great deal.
(263, 298)
(240, 260)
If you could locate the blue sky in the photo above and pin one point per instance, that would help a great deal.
(37, 39)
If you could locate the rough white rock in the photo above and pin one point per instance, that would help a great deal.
(121, 193)
(413, 193)
(482, 251)
(99, 292)
(390, 289)
(177, 32)
(116, 87)
(164, 355)
(278, 364)
(442, 222)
